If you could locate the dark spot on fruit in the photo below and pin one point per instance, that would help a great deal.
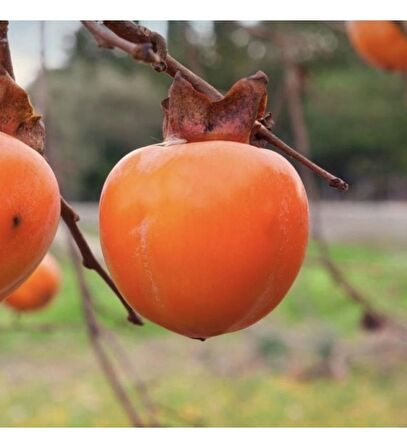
(16, 221)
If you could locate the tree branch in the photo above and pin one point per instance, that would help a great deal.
(94, 332)
(107, 39)
(5, 57)
(139, 385)
(89, 260)
(333, 181)
(135, 33)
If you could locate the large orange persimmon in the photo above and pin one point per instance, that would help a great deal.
(382, 43)
(38, 289)
(205, 237)
(29, 211)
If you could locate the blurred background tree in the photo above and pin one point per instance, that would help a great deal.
(106, 105)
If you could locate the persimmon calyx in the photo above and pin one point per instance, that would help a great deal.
(17, 115)
(192, 116)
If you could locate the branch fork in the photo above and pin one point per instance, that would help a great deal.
(261, 133)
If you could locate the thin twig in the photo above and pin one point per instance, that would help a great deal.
(94, 333)
(136, 34)
(139, 385)
(89, 260)
(5, 57)
(107, 39)
(333, 181)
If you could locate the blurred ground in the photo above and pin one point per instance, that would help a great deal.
(56, 383)
(307, 364)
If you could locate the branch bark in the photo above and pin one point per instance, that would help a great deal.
(107, 39)
(5, 57)
(127, 365)
(137, 34)
(89, 260)
(94, 333)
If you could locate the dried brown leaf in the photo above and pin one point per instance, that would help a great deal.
(17, 115)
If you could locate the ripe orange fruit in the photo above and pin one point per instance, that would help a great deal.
(381, 43)
(204, 238)
(29, 211)
(39, 288)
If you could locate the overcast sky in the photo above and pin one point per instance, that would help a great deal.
(25, 38)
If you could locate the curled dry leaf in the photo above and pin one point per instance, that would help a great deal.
(193, 116)
(17, 115)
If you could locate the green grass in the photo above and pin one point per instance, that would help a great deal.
(379, 273)
(72, 392)
(265, 400)
(51, 379)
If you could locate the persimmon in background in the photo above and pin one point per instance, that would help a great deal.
(29, 212)
(39, 289)
(380, 43)
(205, 238)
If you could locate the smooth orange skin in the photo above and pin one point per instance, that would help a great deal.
(29, 211)
(380, 43)
(38, 289)
(204, 238)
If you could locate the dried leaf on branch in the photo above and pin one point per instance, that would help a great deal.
(17, 115)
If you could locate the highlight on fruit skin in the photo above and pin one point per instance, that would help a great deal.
(38, 289)
(29, 212)
(381, 43)
(204, 238)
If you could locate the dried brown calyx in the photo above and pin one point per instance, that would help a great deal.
(17, 115)
(192, 116)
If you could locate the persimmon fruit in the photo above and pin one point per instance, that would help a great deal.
(205, 234)
(29, 212)
(381, 43)
(203, 238)
(38, 289)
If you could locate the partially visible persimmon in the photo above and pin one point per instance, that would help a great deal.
(38, 289)
(382, 43)
(29, 211)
